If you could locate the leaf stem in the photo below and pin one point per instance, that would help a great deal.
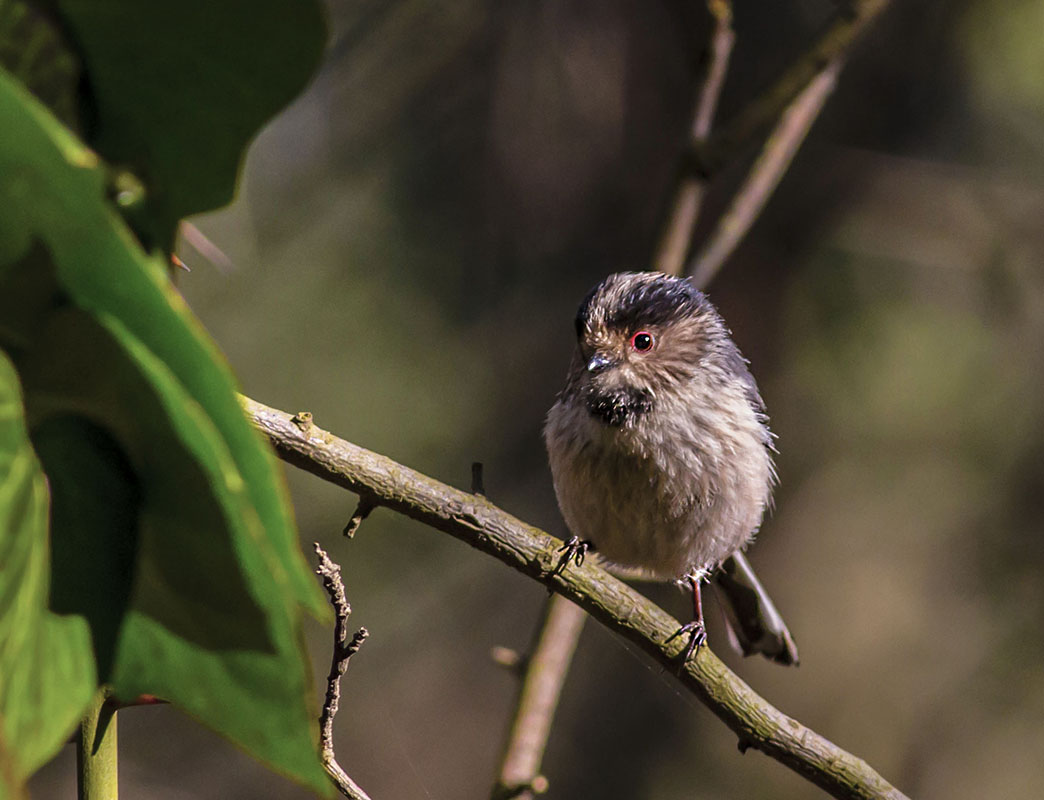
(96, 752)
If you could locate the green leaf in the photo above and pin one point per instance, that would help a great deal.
(204, 621)
(47, 673)
(95, 504)
(122, 380)
(181, 86)
(52, 188)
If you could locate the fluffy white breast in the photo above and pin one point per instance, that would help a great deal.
(677, 490)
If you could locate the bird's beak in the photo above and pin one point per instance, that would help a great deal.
(597, 363)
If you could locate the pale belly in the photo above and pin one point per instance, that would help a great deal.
(644, 512)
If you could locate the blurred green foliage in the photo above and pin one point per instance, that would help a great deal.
(169, 565)
(48, 673)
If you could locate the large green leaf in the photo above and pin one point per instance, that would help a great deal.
(180, 86)
(95, 505)
(202, 621)
(52, 188)
(120, 379)
(47, 672)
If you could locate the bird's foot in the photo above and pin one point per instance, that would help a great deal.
(573, 550)
(697, 639)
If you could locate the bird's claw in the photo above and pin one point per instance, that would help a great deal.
(574, 550)
(697, 638)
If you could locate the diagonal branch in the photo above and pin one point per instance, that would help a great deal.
(766, 173)
(761, 114)
(786, 111)
(476, 521)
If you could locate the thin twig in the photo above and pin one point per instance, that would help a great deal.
(486, 527)
(765, 174)
(760, 115)
(688, 196)
(541, 687)
(205, 246)
(343, 650)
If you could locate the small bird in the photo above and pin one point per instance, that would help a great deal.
(660, 450)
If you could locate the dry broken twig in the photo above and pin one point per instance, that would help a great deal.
(343, 650)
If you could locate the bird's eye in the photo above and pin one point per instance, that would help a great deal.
(642, 341)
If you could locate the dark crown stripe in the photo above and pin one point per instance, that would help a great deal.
(652, 300)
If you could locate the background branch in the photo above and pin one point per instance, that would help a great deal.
(766, 173)
(688, 196)
(559, 632)
(545, 672)
(761, 114)
(481, 524)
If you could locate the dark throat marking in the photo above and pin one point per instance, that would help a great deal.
(617, 408)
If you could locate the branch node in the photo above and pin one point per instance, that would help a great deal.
(477, 485)
(358, 638)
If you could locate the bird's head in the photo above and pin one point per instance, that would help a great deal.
(641, 336)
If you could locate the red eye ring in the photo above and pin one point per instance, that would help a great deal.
(642, 341)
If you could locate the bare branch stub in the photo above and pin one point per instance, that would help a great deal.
(343, 650)
(362, 511)
(484, 526)
(303, 420)
(509, 659)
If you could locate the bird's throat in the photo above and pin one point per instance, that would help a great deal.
(618, 407)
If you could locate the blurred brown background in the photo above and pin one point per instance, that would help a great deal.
(408, 248)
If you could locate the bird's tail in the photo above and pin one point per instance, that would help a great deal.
(755, 626)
